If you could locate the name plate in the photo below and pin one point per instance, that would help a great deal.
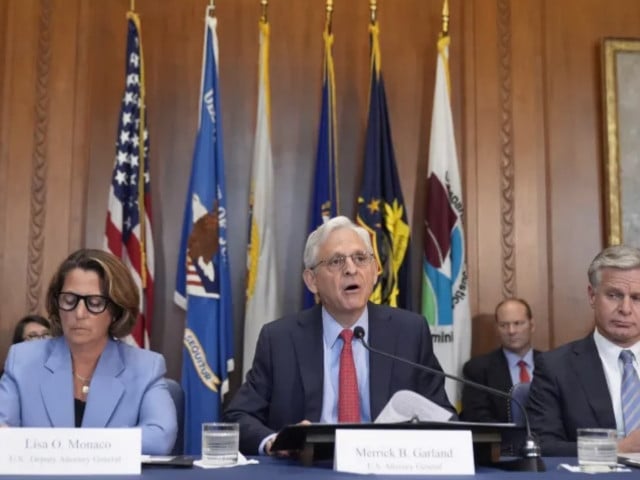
(406, 452)
(70, 451)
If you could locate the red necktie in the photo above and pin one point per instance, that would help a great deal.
(524, 373)
(348, 398)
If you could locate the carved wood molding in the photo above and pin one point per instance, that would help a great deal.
(507, 197)
(39, 160)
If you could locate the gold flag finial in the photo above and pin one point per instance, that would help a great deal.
(329, 21)
(263, 16)
(132, 5)
(445, 18)
(373, 8)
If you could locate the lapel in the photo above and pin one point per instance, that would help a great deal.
(381, 337)
(499, 364)
(307, 342)
(56, 387)
(587, 367)
(105, 389)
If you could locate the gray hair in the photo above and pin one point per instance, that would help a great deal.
(622, 257)
(320, 234)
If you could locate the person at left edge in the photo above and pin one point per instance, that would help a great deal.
(85, 376)
(294, 376)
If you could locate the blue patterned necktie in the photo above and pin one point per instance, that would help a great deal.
(630, 392)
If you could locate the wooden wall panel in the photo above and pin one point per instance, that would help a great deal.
(529, 159)
(18, 110)
(483, 201)
(572, 34)
(525, 94)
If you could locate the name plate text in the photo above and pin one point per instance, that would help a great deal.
(405, 452)
(70, 451)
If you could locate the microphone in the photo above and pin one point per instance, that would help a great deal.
(530, 451)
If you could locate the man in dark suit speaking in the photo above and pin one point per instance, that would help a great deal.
(512, 363)
(307, 366)
(594, 382)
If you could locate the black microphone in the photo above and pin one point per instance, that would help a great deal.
(530, 450)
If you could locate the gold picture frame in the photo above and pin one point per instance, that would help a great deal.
(621, 79)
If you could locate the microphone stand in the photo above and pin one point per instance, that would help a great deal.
(530, 457)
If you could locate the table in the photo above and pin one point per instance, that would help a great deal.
(272, 469)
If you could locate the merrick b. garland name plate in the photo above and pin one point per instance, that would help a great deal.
(70, 451)
(405, 452)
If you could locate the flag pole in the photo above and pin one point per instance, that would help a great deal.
(132, 5)
(445, 18)
(263, 16)
(141, 156)
(329, 15)
(373, 8)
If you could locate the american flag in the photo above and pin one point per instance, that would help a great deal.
(128, 231)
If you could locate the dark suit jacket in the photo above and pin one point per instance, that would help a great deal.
(491, 370)
(569, 391)
(284, 385)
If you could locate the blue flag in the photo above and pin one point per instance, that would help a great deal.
(381, 207)
(203, 287)
(324, 203)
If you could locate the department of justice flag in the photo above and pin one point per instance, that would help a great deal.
(203, 285)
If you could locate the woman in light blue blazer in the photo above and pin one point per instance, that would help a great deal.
(85, 376)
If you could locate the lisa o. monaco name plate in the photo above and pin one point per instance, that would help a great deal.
(70, 451)
(406, 452)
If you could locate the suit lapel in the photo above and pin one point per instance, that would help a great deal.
(307, 342)
(588, 368)
(105, 389)
(57, 386)
(381, 337)
(499, 364)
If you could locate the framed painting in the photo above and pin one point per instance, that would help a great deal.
(621, 80)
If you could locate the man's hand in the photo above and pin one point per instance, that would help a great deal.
(630, 443)
(283, 453)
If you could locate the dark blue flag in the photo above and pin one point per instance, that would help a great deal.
(324, 203)
(381, 207)
(203, 286)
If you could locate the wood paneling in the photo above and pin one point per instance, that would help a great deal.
(525, 93)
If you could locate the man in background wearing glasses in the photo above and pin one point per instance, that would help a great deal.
(308, 367)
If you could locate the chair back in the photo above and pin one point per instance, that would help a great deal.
(177, 395)
(519, 394)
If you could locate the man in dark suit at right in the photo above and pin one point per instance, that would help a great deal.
(512, 363)
(593, 382)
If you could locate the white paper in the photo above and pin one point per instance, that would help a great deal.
(406, 405)
(242, 460)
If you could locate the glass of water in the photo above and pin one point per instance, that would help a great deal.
(597, 449)
(220, 443)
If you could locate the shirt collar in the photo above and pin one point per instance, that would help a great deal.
(609, 351)
(514, 358)
(331, 328)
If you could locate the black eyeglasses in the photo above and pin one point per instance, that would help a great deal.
(68, 301)
(337, 262)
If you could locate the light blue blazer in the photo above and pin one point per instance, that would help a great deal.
(127, 390)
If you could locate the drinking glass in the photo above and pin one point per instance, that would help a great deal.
(220, 443)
